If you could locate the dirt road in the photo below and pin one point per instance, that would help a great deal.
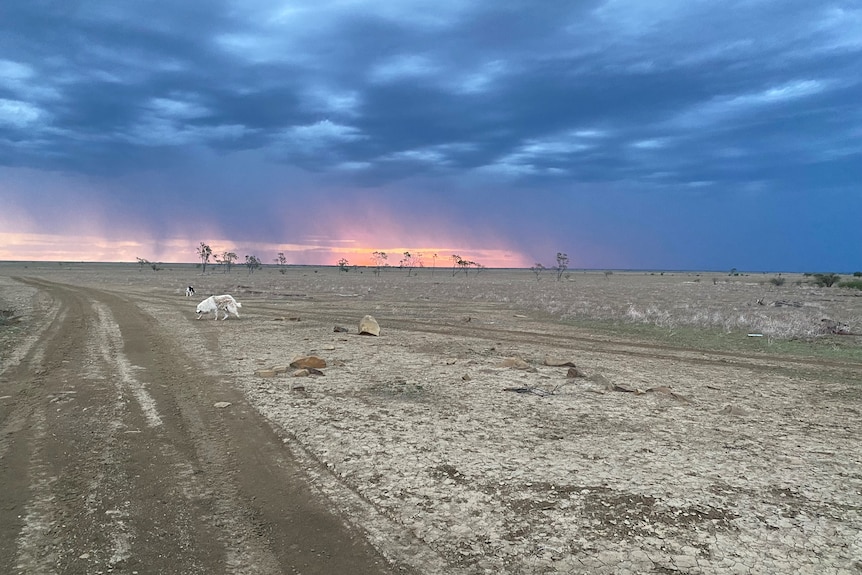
(115, 459)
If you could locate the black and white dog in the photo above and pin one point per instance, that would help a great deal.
(190, 291)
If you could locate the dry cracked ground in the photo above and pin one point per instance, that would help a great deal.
(135, 438)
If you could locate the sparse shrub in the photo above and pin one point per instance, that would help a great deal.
(562, 264)
(777, 281)
(252, 263)
(857, 274)
(537, 269)
(851, 284)
(826, 280)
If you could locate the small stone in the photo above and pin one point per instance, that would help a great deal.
(265, 373)
(555, 362)
(300, 373)
(369, 326)
(515, 363)
(310, 361)
(221, 404)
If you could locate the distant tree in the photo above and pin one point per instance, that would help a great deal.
(562, 264)
(204, 252)
(228, 258)
(281, 262)
(537, 269)
(142, 262)
(344, 265)
(826, 280)
(252, 263)
(465, 266)
(379, 261)
(434, 264)
(409, 262)
(456, 259)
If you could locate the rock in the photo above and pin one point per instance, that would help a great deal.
(575, 372)
(466, 377)
(515, 363)
(300, 373)
(280, 369)
(554, 362)
(221, 404)
(733, 410)
(369, 326)
(309, 361)
(339, 329)
(265, 372)
(663, 389)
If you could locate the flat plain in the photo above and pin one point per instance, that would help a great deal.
(502, 422)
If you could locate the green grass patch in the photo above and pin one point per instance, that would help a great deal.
(832, 347)
(851, 284)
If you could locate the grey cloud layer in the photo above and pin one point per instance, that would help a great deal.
(625, 89)
(656, 97)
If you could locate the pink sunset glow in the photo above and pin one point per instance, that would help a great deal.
(52, 247)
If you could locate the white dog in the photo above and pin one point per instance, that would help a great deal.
(216, 303)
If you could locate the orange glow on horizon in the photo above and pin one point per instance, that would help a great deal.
(318, 251)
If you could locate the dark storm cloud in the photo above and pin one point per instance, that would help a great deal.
(676, 101)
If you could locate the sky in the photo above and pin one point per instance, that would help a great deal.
(628, 134)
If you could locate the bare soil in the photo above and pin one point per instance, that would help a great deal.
(135, 438)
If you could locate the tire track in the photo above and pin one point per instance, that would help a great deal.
(567, 338)
(117, 460)
(35, 548)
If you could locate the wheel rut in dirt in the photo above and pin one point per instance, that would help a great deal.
(113, 457)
